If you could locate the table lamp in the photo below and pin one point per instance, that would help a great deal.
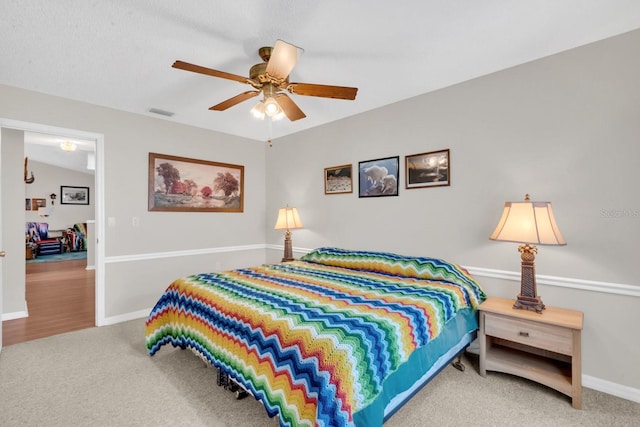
(530, 223)
(288, 219)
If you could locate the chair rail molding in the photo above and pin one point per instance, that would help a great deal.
(565, 282)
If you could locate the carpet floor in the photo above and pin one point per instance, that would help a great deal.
(105, 377)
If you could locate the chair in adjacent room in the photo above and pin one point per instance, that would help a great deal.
(38, 233)
(76, 237)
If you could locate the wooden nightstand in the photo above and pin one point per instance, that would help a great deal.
(543, 347)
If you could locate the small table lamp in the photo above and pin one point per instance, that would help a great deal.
(288, 219)
(529, 223)
(44, 211)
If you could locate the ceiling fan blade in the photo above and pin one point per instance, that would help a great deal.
(235, 100)
(209, 71)
(290, 109)
(283, 59)
(323, 91)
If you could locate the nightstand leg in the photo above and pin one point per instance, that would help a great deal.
(576, 371)
(483, 347)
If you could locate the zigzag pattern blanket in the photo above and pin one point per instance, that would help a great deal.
(314, 339)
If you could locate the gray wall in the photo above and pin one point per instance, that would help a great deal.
(564, 129)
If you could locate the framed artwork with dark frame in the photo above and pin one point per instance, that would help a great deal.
(430, 169)
(338, 179)
(379, 177)
(180, 184)
(27, 204)
(74, 195)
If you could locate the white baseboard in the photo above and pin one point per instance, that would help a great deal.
(608, 387)
(15, 315)
(126, 317)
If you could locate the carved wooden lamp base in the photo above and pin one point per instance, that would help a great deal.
(527, 303)
(528, 298)
(288, 250)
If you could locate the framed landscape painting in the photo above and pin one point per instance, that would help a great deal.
(427, 169)
(180, 184)
(338, 180)
(74, 195)
(378, 178)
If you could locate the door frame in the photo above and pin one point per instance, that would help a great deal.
(98, 200)
(1, 246)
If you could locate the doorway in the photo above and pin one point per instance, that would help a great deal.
(60, 298)
(97, 275)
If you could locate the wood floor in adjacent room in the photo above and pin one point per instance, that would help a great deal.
(60, 298)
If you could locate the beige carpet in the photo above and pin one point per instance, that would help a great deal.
(104, 377)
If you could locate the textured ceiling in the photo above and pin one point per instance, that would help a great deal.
(119, 53)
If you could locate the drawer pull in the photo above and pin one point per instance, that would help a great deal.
(524, 334)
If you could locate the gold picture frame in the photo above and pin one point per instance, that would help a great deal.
(338, 179)
(181, 184)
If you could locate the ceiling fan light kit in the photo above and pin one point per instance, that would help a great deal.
(271, 79)
(258, 110)
(271, 107)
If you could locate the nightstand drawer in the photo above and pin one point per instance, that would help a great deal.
(531, 333)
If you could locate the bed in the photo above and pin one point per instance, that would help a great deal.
(337, 338)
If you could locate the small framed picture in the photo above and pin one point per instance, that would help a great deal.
(38, 203)
(378, 178)
(338, 180)
(27, 204)
(74, 195)
(430, 169)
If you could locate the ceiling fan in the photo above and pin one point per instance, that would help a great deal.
(271, 78)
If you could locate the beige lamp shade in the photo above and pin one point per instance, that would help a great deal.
(288, 219)
(528, 222)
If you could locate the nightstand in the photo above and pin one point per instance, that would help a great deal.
(543, 347)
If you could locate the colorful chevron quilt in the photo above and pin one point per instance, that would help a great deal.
(319, 341)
